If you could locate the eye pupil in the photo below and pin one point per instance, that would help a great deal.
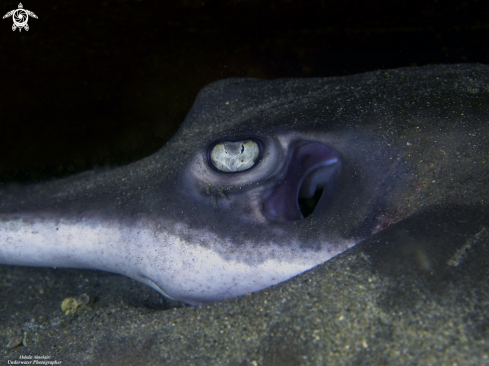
(237, 156)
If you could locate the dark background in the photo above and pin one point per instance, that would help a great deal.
(99, 84)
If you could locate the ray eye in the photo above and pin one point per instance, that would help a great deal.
(230, 157)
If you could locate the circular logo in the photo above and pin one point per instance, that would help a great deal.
(20, 18)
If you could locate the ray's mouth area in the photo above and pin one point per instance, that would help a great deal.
(312, 171)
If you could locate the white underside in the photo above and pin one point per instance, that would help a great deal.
(180, 263)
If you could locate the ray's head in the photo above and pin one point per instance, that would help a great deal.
(271, 178)
(267, 179)
(263, 198)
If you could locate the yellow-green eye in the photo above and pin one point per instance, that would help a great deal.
(236, 156)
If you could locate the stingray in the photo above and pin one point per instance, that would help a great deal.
(264, 180)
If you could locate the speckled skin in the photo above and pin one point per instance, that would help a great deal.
(408, 139)
(392, 299)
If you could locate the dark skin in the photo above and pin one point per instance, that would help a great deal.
(407, 139)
